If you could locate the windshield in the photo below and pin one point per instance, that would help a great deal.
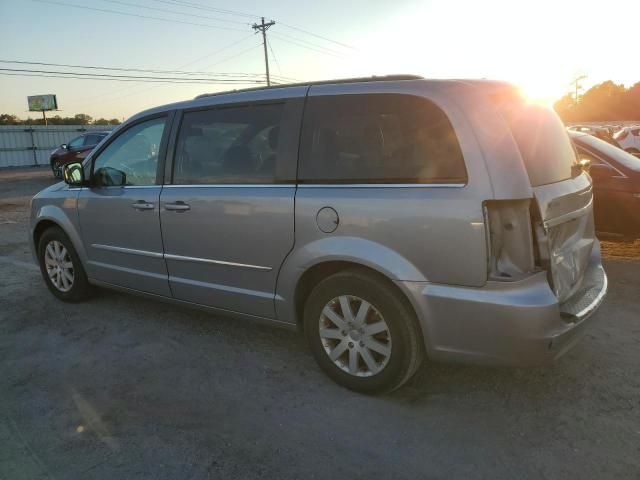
(615, 153)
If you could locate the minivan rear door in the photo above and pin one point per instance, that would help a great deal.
(227, 213)
(564, 196)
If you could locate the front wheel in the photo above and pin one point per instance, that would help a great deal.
(56, 168)
(362, 332)
(61, 267)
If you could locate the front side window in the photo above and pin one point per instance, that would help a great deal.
(91, 140)
(132, 157)
(232, 145)
(76, 142)
(378, 138)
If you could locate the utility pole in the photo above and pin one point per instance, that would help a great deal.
(263, 27)
(576, 82)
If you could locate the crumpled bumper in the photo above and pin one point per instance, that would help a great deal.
(518, 323)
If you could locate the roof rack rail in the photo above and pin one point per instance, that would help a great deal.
(383, 78)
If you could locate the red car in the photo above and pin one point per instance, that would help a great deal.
(74, 151)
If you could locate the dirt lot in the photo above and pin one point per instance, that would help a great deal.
(122, 387)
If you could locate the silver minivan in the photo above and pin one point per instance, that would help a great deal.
(389, 218)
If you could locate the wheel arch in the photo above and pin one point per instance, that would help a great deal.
(321, 270)
(309, 264)
(52, 216)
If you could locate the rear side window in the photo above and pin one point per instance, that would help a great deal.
(378, 138)
(234, 145)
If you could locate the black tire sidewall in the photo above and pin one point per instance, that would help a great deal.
(80, 288)
(56, 174)
(399, 318)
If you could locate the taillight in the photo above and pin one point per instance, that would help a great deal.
(509, 239)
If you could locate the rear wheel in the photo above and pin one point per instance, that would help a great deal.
(362, 333)
(61, 267)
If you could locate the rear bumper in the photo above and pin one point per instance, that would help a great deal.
(506, 323)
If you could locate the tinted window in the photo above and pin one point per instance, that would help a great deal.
(90, 140)
(542, 139)
(229, 145)
(378, 138)
(76, 142)
(134, 153)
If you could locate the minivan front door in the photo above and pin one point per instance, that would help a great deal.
(228, 217)
(119, 212)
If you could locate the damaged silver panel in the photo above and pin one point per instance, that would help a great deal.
(567, 233)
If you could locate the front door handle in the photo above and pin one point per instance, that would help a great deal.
(178, 206)
(142, 205)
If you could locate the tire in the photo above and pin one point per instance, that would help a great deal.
(56, 168)
(372, 371)
(63, 256)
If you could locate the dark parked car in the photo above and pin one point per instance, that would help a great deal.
(603, 133)
(74, 151)
(616, 185)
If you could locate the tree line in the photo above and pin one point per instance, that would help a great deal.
(606, 101)
(79, 119)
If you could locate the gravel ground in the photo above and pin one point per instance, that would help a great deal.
(122, 387)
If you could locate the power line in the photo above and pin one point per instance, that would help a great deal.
(175, 12)
(248, 15)
(302, 30)
(185, 81)
(123, 69)
(309, 44)
(305, 46)
(105, 10)
(191, 62)
(199, 6)
(104, 75)
(274, 57)
(242, 52)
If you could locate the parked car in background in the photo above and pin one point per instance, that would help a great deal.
(628, 138)
(74, 151)
(429, 221)
(603, 133)
(616, 185)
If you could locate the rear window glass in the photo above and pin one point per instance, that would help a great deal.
(378, 138)
(542, 139)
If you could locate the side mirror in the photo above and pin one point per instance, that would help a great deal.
(65, 146)
(583, 165)
(73, 174)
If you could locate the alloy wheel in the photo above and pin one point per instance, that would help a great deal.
(355, 336)
(59, 266)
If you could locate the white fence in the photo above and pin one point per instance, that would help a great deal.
(30, 145)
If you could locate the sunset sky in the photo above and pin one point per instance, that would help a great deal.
(539, 45)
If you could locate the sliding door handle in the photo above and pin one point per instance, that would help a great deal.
(142, 205)
(177, 206)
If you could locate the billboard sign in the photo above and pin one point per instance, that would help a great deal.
(40, 103)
